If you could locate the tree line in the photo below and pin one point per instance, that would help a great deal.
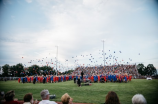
(148, 70)
(19, 70)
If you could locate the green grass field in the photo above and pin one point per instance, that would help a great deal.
(87, 94)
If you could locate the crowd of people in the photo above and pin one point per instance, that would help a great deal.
(115, 73)
(111, 98)
(103, 70)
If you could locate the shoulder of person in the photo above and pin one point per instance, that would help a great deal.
(53, 102)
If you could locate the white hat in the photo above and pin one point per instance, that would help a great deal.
(44, 93)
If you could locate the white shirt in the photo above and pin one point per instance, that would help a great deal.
(26, 103)
(47, 102)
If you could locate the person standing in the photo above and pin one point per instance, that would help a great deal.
(23, 80)
(51, 78)
(44, 80)
(34, 80)
(79, 82)
(19, 79)
(82, 74)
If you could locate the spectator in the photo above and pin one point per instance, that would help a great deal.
(139, 99)
(9, 97)
(66, 99)
(28, 99)
(45, 98)
(79, 82)
(112, 98)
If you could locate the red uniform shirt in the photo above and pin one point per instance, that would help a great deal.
(19, 80)
(98, 78)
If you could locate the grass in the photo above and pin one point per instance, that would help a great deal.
(87, 94)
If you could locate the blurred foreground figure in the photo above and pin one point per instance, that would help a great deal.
(28, 99)
(9, 97)
(66, 99)
(45, 98)
(112, 98)
(139, 99)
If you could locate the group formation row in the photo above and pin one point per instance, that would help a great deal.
(44, 79)
(95, 78)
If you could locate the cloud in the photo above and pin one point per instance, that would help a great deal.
(78, 27)
(13, 18)
(29, 1)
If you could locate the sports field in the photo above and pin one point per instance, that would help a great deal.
(87, 94)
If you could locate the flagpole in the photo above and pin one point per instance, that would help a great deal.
(56, 60)
(103, 51)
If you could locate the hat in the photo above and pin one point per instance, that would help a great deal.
(44, 93)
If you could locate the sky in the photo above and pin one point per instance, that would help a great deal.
(32, 31)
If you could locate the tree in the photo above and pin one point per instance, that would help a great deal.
(32, 70)
(149, 70)
(68, 72)
(141, 68)
(19, 68)
(5, 69)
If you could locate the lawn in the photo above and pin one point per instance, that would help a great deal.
(87, 94)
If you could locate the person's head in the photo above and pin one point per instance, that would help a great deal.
(139, 99)
(65, 99)
(112, 98)
(45, 94)
(9, 96)
(28, 98)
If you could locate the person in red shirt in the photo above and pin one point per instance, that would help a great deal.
(98, 78)
(54, 79)
(9, 97)
(28, 79)
(119, 78)
(47, 79)
(67, 77)
(130, 77)
(31, 79)
(105, 78)
(92, 79)
(39, 79)
(19, 80)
